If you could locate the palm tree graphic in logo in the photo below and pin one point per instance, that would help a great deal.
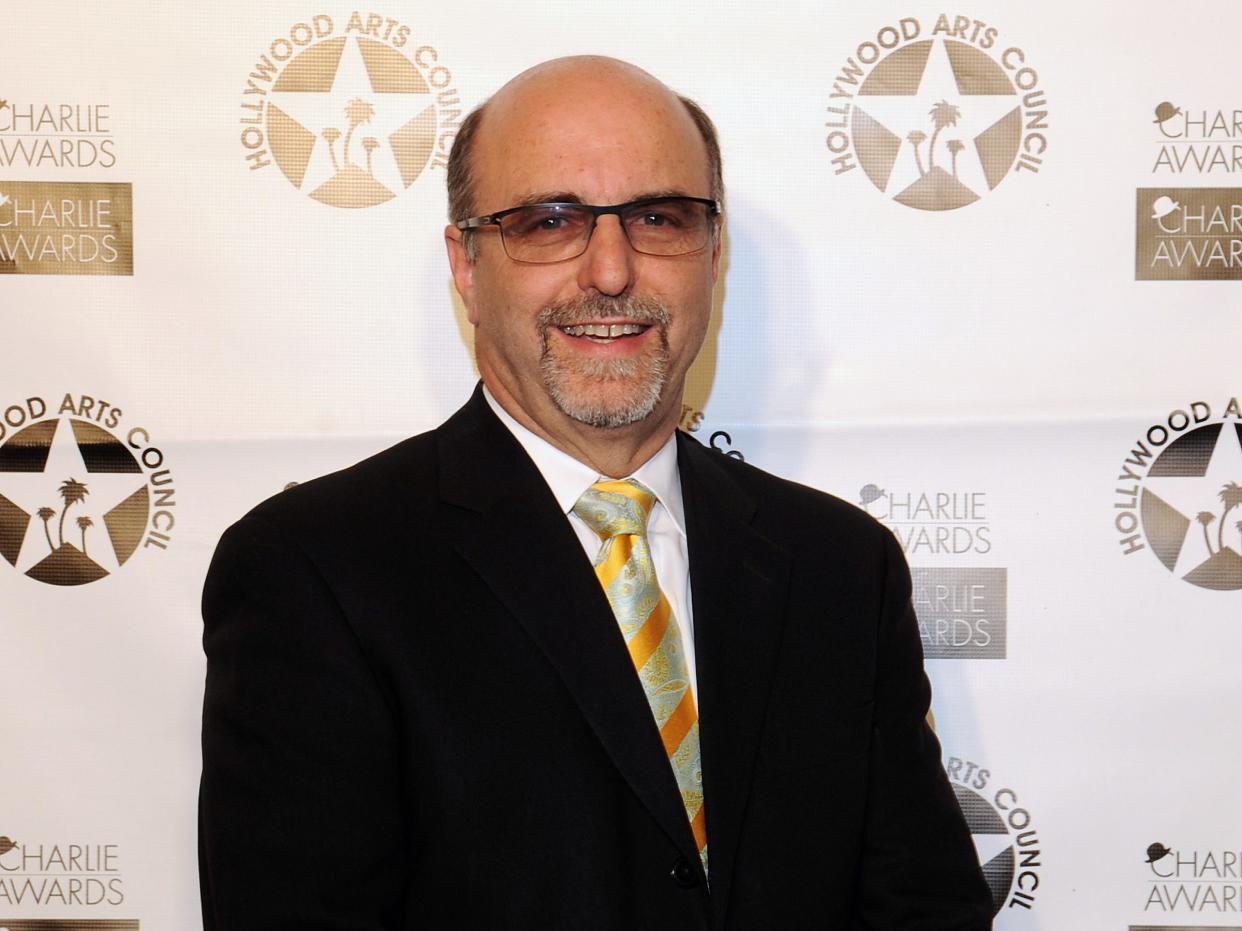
(357, 111)
(1222, 560)
(1206, 519)
(936, 189)
(71, 492)
(916, 138)
(330, 135)
(352, 183)
(1223, 566)
(954, 146)
(1230, 497)
(84, 523)
(942, 114)
(46, 514)
(67, 565)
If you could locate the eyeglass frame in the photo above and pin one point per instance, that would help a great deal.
(472, 224)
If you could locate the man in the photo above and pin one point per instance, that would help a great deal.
(451, 719)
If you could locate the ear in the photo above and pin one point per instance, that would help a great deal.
(463, 270)
(717, 244)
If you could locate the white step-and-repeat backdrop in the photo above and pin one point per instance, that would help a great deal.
(981, 279)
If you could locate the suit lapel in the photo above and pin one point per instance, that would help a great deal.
(738, 582)
(509, 528)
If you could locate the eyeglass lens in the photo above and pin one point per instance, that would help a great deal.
(555, 232)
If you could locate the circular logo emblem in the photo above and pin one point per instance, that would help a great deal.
(1190, 506)
(1007, 847)
(350, 119)
(76, 502)
(935, 123)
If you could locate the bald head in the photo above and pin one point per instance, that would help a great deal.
(564, 99)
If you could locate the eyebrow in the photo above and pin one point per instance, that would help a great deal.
(568, 197)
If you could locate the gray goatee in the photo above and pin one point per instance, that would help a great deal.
(606, 393)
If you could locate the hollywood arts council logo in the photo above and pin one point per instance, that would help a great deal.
(1004, 833)
(80, 493)
(937, 117)
(351, 111)
(1180, 495)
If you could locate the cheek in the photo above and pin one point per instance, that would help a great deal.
(690, 338)
(511, 302)
(506, 326)
(692, 310)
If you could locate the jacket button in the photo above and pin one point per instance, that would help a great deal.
(683, 874)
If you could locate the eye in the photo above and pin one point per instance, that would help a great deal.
(544, 220)
(658, 218)
(667, 216)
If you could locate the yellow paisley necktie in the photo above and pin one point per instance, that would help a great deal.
(618, 511)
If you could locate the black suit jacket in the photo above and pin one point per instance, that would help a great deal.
(420, 713)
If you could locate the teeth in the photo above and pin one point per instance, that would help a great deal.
(604, 330)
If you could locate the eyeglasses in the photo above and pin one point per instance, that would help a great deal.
(544, 233)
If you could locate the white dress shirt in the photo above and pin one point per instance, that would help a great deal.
(666, 531)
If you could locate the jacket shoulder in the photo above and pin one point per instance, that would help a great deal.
(358, 494)
(785, 508)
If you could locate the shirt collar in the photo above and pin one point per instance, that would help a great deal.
(568, 478)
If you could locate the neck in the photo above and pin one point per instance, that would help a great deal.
(614, 452)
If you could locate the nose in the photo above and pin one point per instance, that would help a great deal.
(608, 263)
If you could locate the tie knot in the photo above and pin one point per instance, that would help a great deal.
(618, 507)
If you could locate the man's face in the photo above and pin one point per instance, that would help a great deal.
(598, 136)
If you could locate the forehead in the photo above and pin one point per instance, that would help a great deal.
(602, 138)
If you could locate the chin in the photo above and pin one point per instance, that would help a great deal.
(608, 405)
(607, 393)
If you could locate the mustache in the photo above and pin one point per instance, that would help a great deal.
(591, 307)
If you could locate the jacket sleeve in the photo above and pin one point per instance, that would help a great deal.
(301, 819)
(919, 868)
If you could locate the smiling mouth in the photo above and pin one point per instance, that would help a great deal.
(604, 332)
